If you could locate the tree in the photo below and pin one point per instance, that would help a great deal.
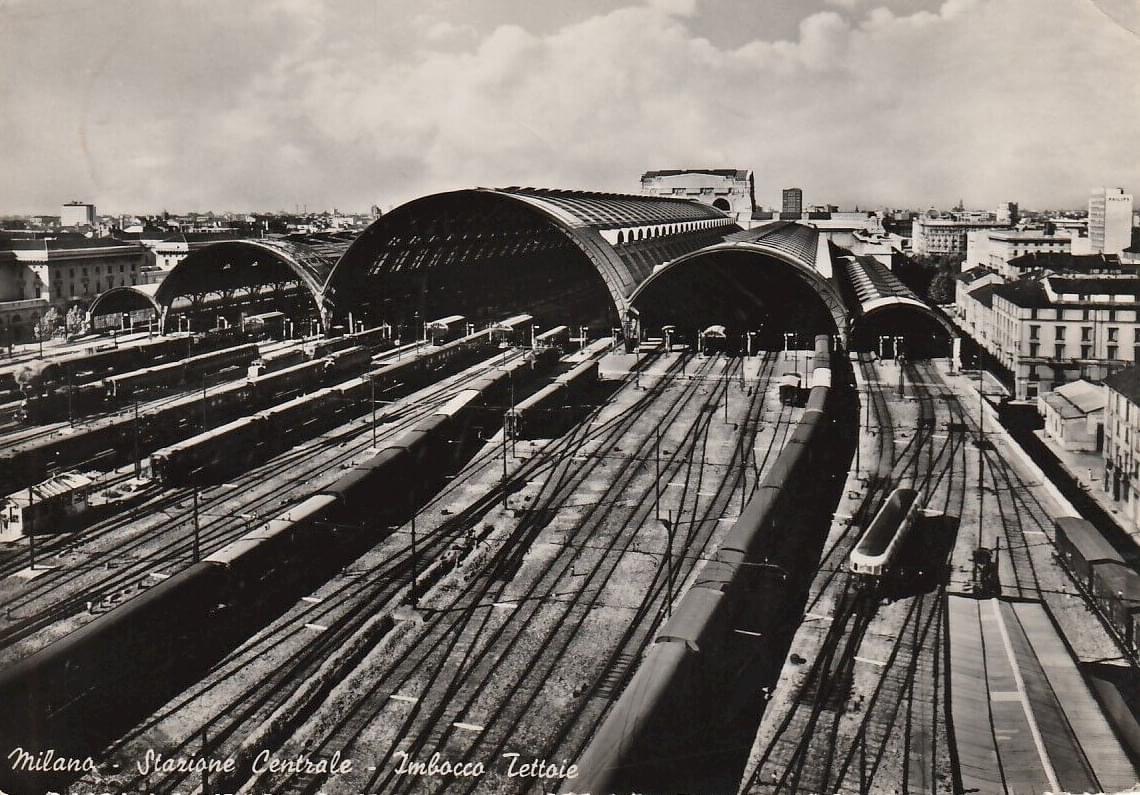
(941, 290)
(46, 325)
(76, 319)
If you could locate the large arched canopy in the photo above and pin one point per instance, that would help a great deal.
(748, 287)
(231, 277)
(563, 256)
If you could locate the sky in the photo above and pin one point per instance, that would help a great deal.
(145, 105)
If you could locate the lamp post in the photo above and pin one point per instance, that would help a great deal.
(415, 573)
(657, 484)
(787, 343)
(197, 529)
(668, 522)
(372, 392)
(30, 529)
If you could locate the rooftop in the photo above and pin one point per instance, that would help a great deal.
(1126, 382)
(1076, 399)
(1064, 261)
(732, 173)
(52, 487)
(984, 295)
(1025, 235)
(973, 274)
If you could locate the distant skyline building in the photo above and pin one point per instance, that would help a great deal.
(1007, 214)
(730, 190)
(77, 214)
(793, 202)
(1110, 220)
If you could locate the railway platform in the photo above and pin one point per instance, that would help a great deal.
(1024, 719)
(1087, 471)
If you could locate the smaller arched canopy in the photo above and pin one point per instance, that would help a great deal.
(234, 265)
(117, 300)
(745, 284)
(882, 306)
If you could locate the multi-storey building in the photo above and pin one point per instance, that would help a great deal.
(793, 202)
(730, 190)
(973, 301)
(1000, 246)
(1059, 328)
(934, 236)
(58, 272)
(1110, 220)
(1007, 214)
(77, 214)
(1122, 441)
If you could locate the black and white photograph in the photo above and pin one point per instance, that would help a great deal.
(595, 397)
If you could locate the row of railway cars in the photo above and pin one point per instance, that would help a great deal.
(56, 395)
(115, 437)
(95, 364)
(233, 445)
(79, 679)
(1109, 579)
(685, 656)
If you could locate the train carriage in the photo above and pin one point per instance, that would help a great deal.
(1081, 547)
(875, 553)
(445, 329)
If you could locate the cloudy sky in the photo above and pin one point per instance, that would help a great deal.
(140, 105)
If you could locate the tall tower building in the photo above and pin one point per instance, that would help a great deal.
(1110, 220)
(793, 201)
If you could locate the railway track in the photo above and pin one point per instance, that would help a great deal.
(344, 611)
(478, 665)
(812, 748)
(440, 660)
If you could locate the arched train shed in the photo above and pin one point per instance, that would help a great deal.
(136, 301)
(886, 316)
(565, 256)
(235, 277)
(768, 287)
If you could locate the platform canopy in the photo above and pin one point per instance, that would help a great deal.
(574, 256)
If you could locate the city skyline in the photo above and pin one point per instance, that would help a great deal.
(859, 102)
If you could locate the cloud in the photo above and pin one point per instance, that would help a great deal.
(332, 104)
